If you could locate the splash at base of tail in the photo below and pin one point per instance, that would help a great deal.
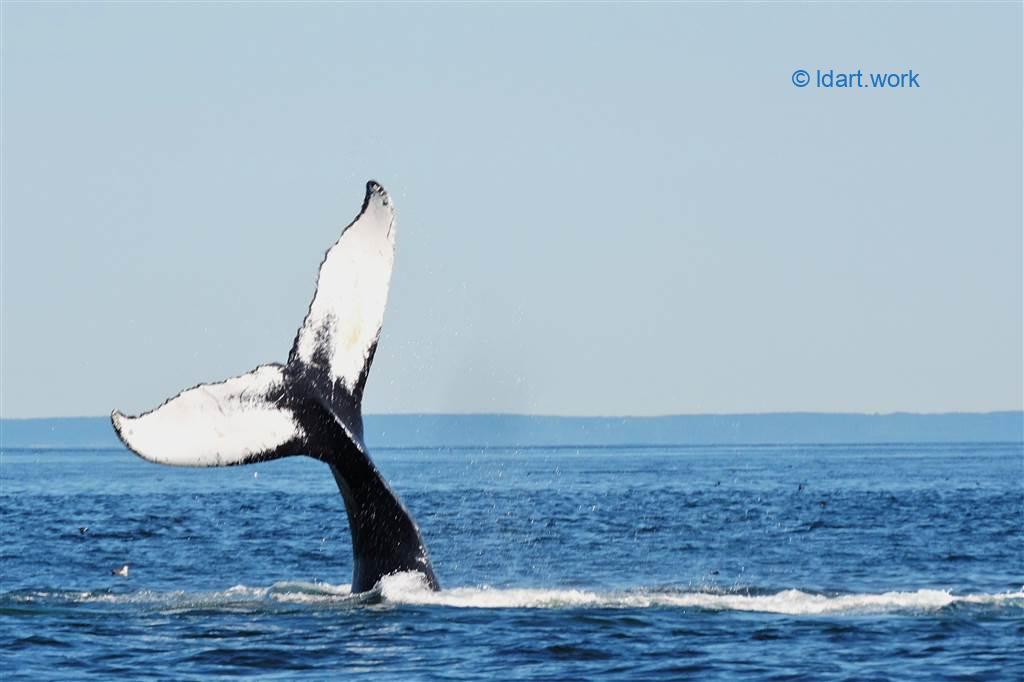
(312, 405)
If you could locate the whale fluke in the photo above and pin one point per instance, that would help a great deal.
(237, 421)
(312, 405)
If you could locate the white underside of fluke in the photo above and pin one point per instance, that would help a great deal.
(220, 424)
(347, 311)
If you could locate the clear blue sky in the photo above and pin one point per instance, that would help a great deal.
(602, 209)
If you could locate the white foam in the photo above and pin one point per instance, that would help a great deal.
(411, 589)
(298, 592)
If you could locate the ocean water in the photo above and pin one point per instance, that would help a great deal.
(768, 562)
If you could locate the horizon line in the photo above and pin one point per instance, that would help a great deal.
(946, 413)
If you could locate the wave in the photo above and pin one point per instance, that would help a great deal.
(409, 589)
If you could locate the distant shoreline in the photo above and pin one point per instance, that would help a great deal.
(498, 430)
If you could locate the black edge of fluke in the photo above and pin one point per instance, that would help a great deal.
(327, 418)
(372, 187)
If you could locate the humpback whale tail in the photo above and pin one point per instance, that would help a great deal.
(312, 405)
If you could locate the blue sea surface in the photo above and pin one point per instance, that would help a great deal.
(768, 562)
